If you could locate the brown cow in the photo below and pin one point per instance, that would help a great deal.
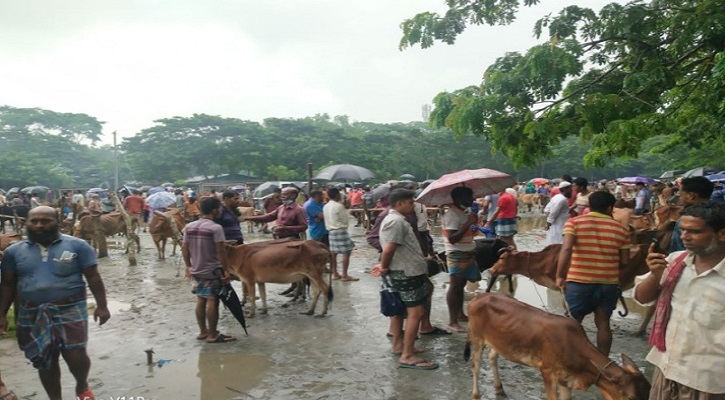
(247, 212)
(161, 230)
(280, 262)
(558, 346)
(528, 200)
(665, 214)
(111, 224)
(8, 239)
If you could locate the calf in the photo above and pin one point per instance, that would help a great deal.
(280, 261)
(528, 200)
(110, 224)
(558, 347)
(161, 229)
(247, 212)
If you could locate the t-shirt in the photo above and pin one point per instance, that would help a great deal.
(52, 273)
(202, 237)
(408, 256)
(134, 204)
(595, 256)
(452, 221)
(507, 204)
(313, 209)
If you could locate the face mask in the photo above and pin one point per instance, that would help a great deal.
(288, 202)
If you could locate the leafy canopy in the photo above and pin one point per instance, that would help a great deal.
(615, 78)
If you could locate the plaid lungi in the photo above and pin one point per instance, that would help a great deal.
(665, 389)
(44, 329)
(340, 242)
(506, 227)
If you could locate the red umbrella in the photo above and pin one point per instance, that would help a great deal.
(539, 181)
(483, 181)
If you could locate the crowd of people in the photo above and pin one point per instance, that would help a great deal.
(687, 286)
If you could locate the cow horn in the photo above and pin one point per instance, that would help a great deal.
(503, 250)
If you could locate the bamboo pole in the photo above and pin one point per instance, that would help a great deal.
(132, 241)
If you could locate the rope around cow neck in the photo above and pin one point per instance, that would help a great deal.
(601, 371)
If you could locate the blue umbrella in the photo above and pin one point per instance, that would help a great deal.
(716, 177)
(156, 189)
(637, 179)
(160, 200)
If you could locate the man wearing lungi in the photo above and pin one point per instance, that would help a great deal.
(460, 252)
(48, 270)
(336, 221)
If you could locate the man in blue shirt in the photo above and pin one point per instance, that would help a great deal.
(315, 218)
(47, 272)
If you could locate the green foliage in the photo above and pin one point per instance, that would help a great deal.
(615, 78)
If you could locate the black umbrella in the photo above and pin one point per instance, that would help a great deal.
(13, 190)
(701, 171)
(231, 301)
(266, 189)
(381, 191)
(34, 189)
(343, 172)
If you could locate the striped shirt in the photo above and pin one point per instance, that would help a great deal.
(597, 241)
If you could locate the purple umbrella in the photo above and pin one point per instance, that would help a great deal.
(637, 179)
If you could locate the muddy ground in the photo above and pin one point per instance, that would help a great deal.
(287, 355)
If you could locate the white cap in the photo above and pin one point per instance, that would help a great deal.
(564, 184)
(511, 191)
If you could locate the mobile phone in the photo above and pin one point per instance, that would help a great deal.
(656, 244)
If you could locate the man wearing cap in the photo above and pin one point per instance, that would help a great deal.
(557, 212)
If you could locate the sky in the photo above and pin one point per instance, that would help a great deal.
(130, 62)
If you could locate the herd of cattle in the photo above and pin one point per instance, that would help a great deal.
(495, 320)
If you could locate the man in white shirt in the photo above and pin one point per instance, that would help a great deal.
(336, 221)
(557, 212)
(688, 286)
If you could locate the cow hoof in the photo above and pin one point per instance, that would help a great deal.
(263, 312)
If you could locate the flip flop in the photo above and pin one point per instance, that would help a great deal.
(349, 279)
(417, 365)
(436, 331)
(222, 338)
(87, 395)
(456, 329)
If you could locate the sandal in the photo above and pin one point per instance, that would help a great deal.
(87, 395)
(221, 338)
(9, 396)
(436, 331)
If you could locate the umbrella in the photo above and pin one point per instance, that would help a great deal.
(266, 189)
(483, 181)
(34, 189)
(344, 172)
(701, 171)
(716, 177)
(161, 200)
(381, 191)
(539, 181)
(13, 190)
(671, 174)
(637, 179)
(238, 187)
(230, 299)
(407, 177)
(156, 189)
(167, 184)
(428, 181)
(144, 188)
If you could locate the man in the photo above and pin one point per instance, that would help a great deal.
(94, 206)
(271, 203)
(689, 330)
(402, 259)
(134, 207)
(79, 201)
(290, 216)
(206, 263)
(316, 218)
(595, 248)
(505, 218)
(490, 203)
(557, 213)
(693, 191)
(336, 222)
(46, 271)
(228, 216)
(460, 253)
(356, 203)
(642, 201)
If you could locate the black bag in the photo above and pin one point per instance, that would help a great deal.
(435, 266)
(390, 303)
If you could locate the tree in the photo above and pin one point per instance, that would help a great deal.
(615, 78)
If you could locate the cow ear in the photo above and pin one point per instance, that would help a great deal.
(629, 365)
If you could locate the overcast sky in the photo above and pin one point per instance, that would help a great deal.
(129, 62)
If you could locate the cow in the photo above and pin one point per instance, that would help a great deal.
(528, 200)
(8, 239)
(161, 229)
(247, 212)
(665, 214)
(542, 200)
(558, 346)
(541, 267)
(280, 261)
(111, 224)
(486, 254)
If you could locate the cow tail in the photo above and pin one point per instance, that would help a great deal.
(467, 350)
(329, 288)
(624, 305)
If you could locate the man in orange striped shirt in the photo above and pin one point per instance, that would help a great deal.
(595, 248)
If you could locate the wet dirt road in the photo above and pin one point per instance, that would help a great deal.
(344, 355)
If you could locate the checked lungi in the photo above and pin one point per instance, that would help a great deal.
(44, 329)
(340, 242)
